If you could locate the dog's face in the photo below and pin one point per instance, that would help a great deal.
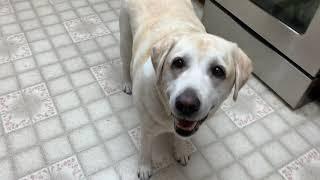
(195, 74)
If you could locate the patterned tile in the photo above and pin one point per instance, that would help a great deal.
(108, 76)
(248, 108)
(40, 104)
(42, 174)
(20, 108)
(86, 28)
(13, 113)
(290, 169)
(5, 7)
(68, 167)
(14, 47)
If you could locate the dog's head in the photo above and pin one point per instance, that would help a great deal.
(195, 74)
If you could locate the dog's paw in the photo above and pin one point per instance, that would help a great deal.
(127, 88)
(182, 152)
(182, 158)
(144, 172)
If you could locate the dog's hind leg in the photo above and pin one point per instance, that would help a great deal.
(125, 47)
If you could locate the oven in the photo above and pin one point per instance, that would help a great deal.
(282, 37)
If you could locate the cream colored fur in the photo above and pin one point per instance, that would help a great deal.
(152, 34)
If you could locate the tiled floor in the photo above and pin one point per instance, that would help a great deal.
(61, 106)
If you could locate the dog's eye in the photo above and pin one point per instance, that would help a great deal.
(178, 63)
(218, 71)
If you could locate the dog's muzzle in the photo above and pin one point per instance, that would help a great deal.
(186, 128)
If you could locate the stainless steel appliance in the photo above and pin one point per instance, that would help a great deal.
(282, 37)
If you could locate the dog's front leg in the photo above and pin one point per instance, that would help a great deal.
(145, 159)
(182, 150)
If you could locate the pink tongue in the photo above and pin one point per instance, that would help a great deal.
(186, 124)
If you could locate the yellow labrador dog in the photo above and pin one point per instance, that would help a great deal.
(179, 72)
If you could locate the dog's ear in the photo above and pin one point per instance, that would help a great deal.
(243, 69)
(159, 54)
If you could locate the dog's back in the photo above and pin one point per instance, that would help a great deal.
(151, 20)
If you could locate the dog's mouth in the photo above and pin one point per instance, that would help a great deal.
(186, 128)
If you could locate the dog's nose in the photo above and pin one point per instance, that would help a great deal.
(187, 103)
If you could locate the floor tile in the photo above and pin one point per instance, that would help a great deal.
(74, 64)
(17, 46)
(90, 93)
(311, 132)
(238, 144)
(94, 159)
(21, 139)
(288, 171)
(221, 124)
(8, 85)
(85, 28)
(3, 148)
(258, 134)
(293, 118)
(67, 165)
(81, 78)
(6, 70)
(217, 155)
(108, 127)
(295, 143)
(256, 165)
(87, 46)
(275, 124)
(235, 171)
(59, 85)
(30, 78)
(45, 58)
(120, 101)
(127, 168)
(248, 108)
(5, 8)
(6, 171)
(120, 147)
(49, 128)
(67, 101)
(41, 174)
(57, 149)
(74, 118)
(86, 133)
(109, 174)
(99, 109)
(35, 35)
(276, 154)
(52, 71)
(67, 52)
(24, 64)
(197, 167)
(14, 116)
(108, 76)
(28, 161)
(130, 118)
(204, 136)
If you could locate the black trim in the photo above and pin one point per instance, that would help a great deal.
(261, 39)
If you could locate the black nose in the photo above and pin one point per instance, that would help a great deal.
(188, 103)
